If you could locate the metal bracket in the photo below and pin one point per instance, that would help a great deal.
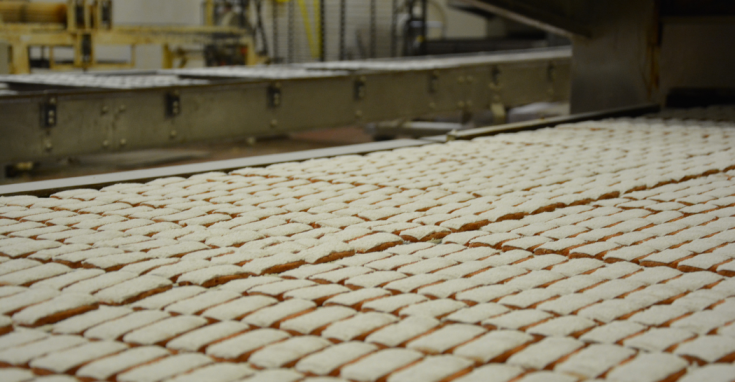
(434, 82)
(49, 114)
(360, 88)
(274, 95)
(173, 104)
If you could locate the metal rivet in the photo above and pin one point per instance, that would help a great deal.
(52, 100)
(460, 79)
(432, 105)
(460, 104)
(122, 107)
(123, 142)
(105, 143)
(358, 113)
(105, 109)
(274, 123)
(49, 145)
(251, 141)
(173, 133)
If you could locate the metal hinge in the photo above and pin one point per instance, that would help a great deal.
(274, 95)
(173, 104)
(49, 115)
(360, 88)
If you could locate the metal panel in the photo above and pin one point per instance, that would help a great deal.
(92, 122)
(48, 187)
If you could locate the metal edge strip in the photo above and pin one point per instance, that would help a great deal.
(48, 187)
(631, 111)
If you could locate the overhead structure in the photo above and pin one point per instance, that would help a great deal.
(83, 25)
(629, 52)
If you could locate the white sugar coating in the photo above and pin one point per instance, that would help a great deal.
(163, 330)
(331, 358)
(367, 243)
(517, 319)
(699, 300)
(406, 329)
(438, 250)
(106, 367)
(705, 261)
(169, 271)
(145, 266)
(433, 308)
(426, 266)
(476, 313)
(67, 279)
(281, 375)
(13, 374)
(594, 360)
(26, 298)
(202, 301)
(113, 329)
(377, 365)
(245, 343)
(308, 270)
(527, 298)
(17, 265)
(498, 274)
(79, 323)
(165, 368)
(577, 266)
(647, 367)
(239, 307)
(124, 291)
(547, 376)
(712, 373)
(544, 352)
(23, 354)
(448, 288)
(658, 339)
(311, 321)
(492, 373)
(492, 345)
(692, 281)
(414, 282)
(17, 338)
(392, 262)
(28, 247)
(486, 293)
(292, 349)
(221, 372)
(434, 369)
(62, 361)
(393, 303)
(317, 292)
(243, 285)
(11, 290)
(198, 338)
(171, 296)
(445, 338)
(314, 254)
(268, 316)
(574, 284)
(534, 279)
(202, 276)
(280, 287)
(374, 279)
(654, 294)
(658, 315)
(703, 322)
(616, 270)
(707, 348)
(100, 282)
(613, 288)
(30, 275)
(562, 326)
(65, 302)
(540, 262)
(363, 258)
(356, 297)
(357, 325)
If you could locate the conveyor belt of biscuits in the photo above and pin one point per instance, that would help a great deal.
(592, 251)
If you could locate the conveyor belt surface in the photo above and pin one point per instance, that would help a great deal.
(102, 81)
(590, 251)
